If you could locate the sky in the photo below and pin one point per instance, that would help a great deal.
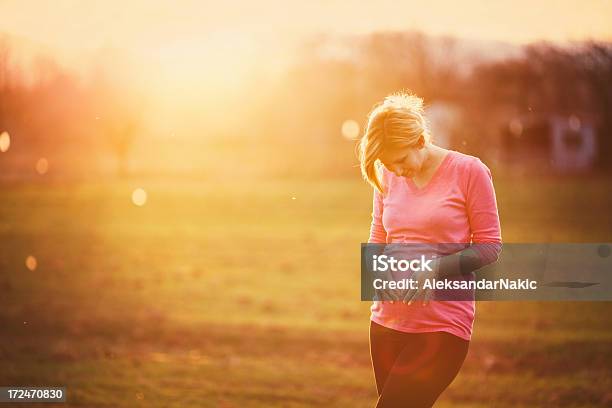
(170, 30)
(182, 43)
(145, 24)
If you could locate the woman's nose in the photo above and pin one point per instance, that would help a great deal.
(398, 171)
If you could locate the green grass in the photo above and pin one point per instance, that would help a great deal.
(217, 295)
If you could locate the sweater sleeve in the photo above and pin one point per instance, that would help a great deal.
(483, 216)
(378, 235)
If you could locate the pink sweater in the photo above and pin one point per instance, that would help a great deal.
(458, 205)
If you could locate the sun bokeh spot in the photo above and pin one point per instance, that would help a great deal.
(350, 129)
(42, 166)
(5, 142)
(31, 262)
(139, 197)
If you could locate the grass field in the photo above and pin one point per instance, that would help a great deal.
(219, 295)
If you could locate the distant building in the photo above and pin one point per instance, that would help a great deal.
(552, 142)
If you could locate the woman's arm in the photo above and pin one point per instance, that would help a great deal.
(486, 245)
(378, 235)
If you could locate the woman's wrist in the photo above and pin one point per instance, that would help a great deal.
(458, 264)
(446, 266)
(436, 267)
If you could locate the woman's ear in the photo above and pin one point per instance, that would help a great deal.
(421, 142)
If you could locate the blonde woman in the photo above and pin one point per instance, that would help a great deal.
(424, 193)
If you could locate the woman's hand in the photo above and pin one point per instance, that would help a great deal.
(388, 295)
(425, 294)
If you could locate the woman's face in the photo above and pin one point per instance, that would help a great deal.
(404, 162)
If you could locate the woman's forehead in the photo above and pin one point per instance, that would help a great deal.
(391, 155)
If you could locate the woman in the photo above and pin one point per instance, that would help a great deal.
(424, 194)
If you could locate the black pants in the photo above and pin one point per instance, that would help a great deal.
(412, 369)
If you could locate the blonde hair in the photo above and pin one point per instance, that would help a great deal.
(397, 122)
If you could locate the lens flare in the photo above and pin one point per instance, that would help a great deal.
(516, 127)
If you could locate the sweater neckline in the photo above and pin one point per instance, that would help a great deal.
(434, 179)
